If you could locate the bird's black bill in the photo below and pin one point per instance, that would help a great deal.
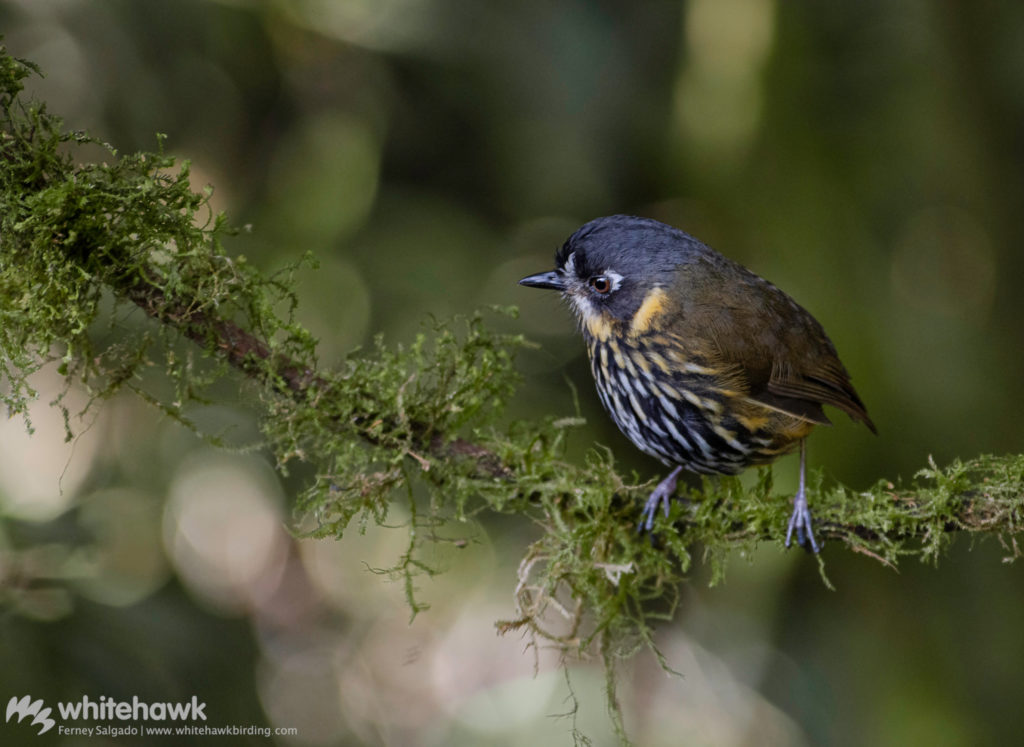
(550, 280)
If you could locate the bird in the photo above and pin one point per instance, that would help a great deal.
(701, 363)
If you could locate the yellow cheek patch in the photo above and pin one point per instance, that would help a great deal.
(653, 305)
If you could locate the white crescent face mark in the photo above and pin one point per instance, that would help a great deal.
(580, 293)
(615, 278)
(570, 269)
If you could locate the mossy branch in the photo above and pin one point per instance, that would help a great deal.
(82, 243)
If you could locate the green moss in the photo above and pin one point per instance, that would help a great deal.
(81, 246)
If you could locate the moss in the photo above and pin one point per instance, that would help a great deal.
(82, 245)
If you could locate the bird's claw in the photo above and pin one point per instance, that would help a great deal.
(800, 520)
(661, 494)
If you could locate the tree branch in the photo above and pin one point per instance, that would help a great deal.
(390, 419)
(253, 357)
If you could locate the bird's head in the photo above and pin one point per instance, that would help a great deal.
(616, 271)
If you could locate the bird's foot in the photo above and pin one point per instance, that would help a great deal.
(660, 495)
(800, 520)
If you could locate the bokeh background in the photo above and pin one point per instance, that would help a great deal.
(866, 157)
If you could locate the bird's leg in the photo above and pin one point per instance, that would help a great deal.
(661, 494)
(801, 516)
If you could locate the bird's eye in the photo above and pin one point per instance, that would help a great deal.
(601, 284)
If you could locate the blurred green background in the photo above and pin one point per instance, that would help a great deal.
(866, 157)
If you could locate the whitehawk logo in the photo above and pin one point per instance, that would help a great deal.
(28, 707)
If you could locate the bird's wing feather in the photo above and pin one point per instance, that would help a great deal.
(784, 356)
